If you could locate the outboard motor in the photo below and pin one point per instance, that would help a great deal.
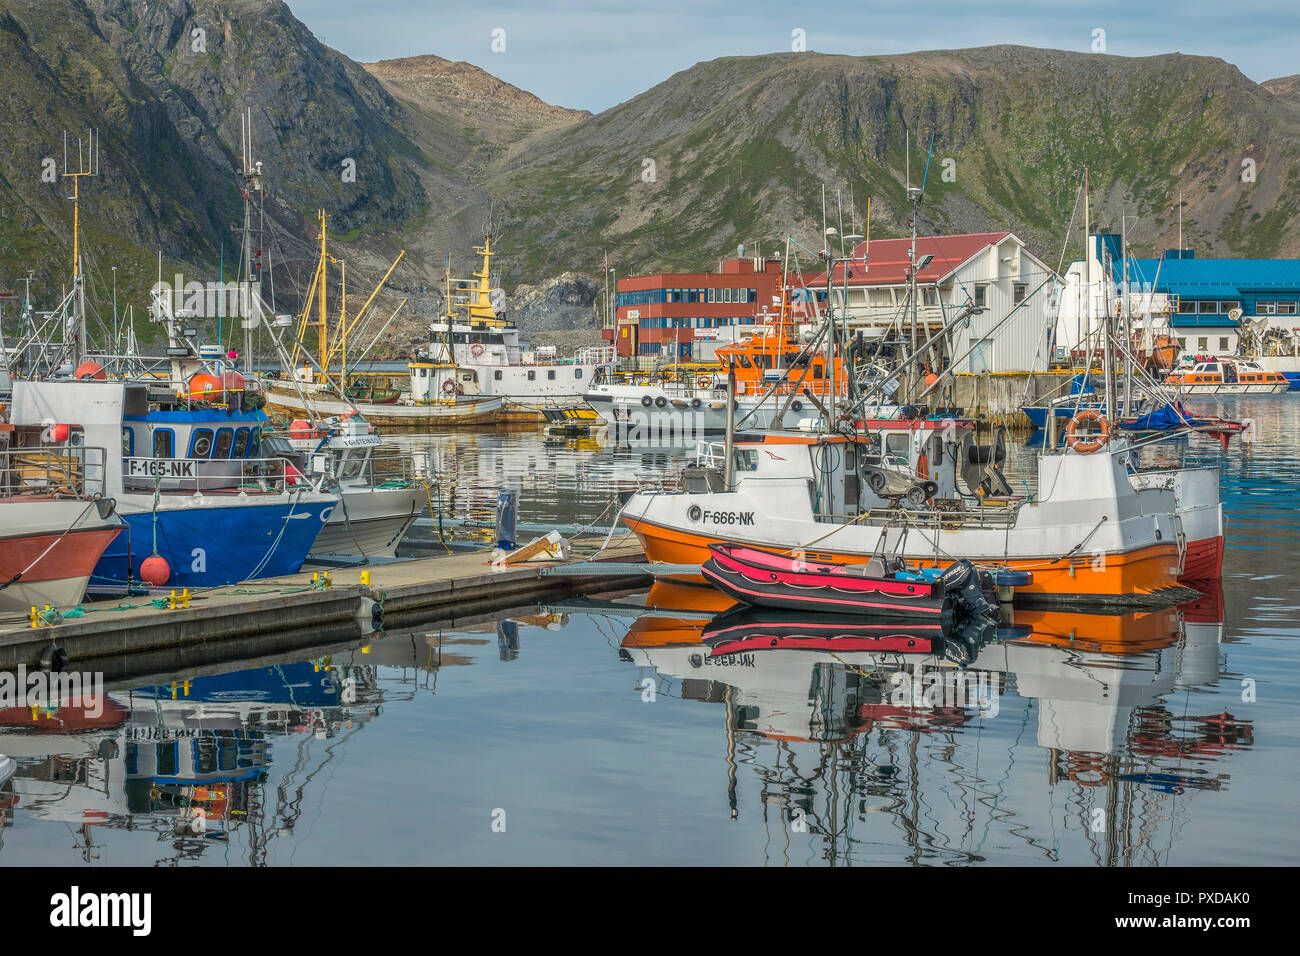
(963, 582)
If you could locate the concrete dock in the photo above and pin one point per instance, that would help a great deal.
(281, 611)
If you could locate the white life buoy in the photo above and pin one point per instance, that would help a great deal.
(476, 350)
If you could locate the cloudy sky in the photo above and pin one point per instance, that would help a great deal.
(593, 54)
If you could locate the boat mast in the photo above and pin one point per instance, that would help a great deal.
(86, 166)
(1127, 312)
(321, 346)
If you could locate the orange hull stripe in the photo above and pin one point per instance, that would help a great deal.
(1137, 572)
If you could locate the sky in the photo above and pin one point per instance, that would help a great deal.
(594, 54)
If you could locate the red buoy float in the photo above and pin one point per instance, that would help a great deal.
(155, 570)
(89, 370)
(59, 433)
(205, 388)
(300, 428)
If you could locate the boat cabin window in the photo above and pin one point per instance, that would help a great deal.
(201, 443)
(746, 459)
(241, 442)
(497, 375)
(1212, 366)
(532, 375)
(352, 465)
(577, 373)
(744, 361)
(550, 375)
(225, 438)
(164, 441)
(128, 443)
(255, 443)
(897, 445)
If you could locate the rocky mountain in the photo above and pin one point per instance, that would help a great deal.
(737, 149)
(426, 154)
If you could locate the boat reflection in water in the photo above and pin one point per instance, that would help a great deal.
(834, 736)
(189, 759)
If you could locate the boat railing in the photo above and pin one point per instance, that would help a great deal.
(52, 471)
(250, 476)
(596, 355)
(711, 454)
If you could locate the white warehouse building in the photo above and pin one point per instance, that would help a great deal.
(991, 270)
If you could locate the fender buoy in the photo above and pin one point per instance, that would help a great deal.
(1089, 445)
(696, 403)
(660, 402)
(647, 401)
(88, 371)
(155, 570)
(796, 405)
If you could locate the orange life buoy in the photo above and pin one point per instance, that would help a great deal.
(1087, 769)
(1087, 446)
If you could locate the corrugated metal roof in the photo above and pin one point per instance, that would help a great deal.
(887, 258)
(1214, 278)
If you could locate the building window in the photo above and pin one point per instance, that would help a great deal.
(1018, 291)
(1182, 345)
(1203, 343)
(1266, 308)
(930, 296)
(1208, 308)
(1286, 308)
(1187, 306)
(980, 296)
(1223, 343)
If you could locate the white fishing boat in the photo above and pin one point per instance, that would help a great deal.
(380, 496)
(474, 352)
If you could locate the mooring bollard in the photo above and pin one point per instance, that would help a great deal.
(507, 515)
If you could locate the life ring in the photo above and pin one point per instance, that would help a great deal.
(476, 350)
(704, 381)
(1093, 764)
(451, 387)
(647, 401)
(1087, 446)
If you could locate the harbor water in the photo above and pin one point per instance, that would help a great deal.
(600, 731)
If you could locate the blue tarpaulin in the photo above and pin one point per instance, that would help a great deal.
(1162, 419)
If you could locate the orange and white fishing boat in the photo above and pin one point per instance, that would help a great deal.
(1223, 376)
(1089, 533)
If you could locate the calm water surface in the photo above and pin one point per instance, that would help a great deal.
(605, 734)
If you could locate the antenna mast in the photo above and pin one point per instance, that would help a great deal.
(87, 165)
